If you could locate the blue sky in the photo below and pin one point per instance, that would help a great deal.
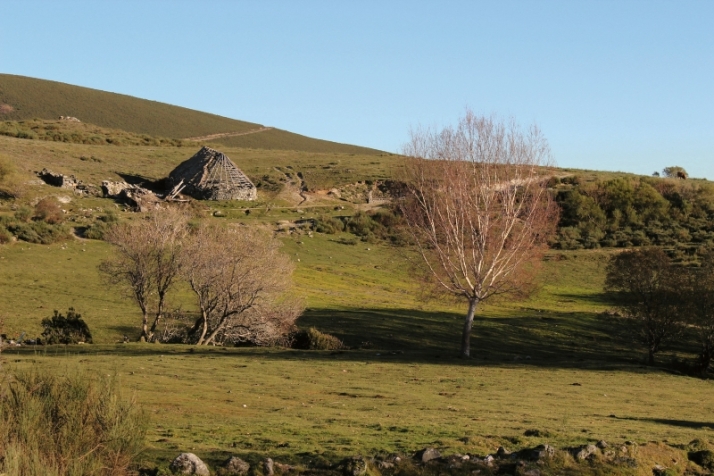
(614, 85)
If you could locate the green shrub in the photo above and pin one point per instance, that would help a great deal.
(39, 232)
(23, 214)
(312, 339)
(704, 458)
(69, 329)
(329, 225)
(5, 236)
(75, 424)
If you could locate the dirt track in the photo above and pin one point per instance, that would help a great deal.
(229, 134)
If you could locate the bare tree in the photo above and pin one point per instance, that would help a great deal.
(651, 290)
(478, 209)
(147, 261)
(240, 279)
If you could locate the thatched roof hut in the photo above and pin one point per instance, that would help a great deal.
(211, 175)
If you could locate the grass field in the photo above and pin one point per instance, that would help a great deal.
(555, 363)
(399, 389)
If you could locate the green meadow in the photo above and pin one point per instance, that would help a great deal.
(557, 366)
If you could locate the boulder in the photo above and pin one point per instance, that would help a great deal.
(585, 452)
(541, 452)
(355, 466)
(235, 466)
(189, 464)
(113, 189)
(427, 454)
(268, 468)
(58, 180)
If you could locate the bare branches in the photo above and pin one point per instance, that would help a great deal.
(478, 207)
(147, 261)
(239, 278)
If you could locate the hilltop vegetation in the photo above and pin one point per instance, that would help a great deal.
(23, 98)
(631, 211)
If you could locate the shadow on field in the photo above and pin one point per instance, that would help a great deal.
(534, 338)
(667, 421)
(552, 339)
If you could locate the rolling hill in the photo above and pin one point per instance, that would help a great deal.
(23, 98)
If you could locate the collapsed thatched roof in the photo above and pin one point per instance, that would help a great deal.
(211, 175)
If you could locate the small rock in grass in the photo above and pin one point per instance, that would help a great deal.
(235, 466)
(355, 466)
(602, 444)
(189, 464)
(268, 467)
(428, 454)
(585, 452)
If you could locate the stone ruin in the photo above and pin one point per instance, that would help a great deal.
(58, 180)
(211, 175)
(68, 182)
(139, 198)
(69, 118)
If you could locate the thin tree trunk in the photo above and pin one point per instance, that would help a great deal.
(144, 325)
(159, 315)
(650, 357)
(466, 333)
(204, 328)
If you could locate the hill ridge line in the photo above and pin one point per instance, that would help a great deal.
(229, 134)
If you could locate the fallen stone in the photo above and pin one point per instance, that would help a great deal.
(542, 452)
(235, 466)
(602, 444)
(428, 454)
(355, 466)
(585, 452)
(268, 468)
(189, 464)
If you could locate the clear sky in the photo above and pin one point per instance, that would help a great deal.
(614, 85)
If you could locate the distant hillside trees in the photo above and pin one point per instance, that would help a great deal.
(637, 211)
(477, 209)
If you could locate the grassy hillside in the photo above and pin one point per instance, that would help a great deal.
(23, 98)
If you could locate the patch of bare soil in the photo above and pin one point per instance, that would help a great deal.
(228, 134)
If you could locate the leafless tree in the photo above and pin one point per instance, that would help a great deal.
(147, 261)
(478, 209)
(651, 292)
(240, 279)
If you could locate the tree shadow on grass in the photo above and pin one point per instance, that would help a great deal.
(532, 338)
(696, 425)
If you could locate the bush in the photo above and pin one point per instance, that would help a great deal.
(312, 339)
(5, 236)
(329, 225)
(23, 214)
(70, 329)
(75, 424)
(48, 210)
(39, 232)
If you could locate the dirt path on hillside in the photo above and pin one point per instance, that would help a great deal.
(229, 134)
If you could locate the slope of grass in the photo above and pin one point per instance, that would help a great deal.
(276, 139)
(320, 170)
(80, 133)
(23, 98)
